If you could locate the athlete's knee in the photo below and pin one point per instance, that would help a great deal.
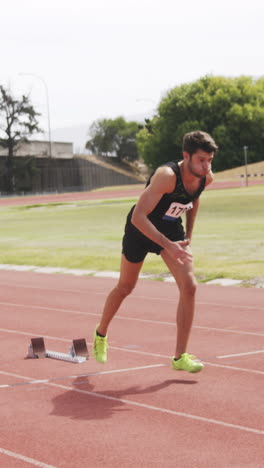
(188, 285)
(125, 289)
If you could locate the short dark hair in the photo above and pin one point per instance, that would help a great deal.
(194, 141)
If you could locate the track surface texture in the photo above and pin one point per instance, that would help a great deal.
(134, 410)
(105, 194)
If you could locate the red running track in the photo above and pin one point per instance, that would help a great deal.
(134, 410)
(106, 194)
(70, 197)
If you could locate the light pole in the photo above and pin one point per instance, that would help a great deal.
(48, 107)
(245, 157)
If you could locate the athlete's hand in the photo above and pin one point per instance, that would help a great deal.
(178, 251)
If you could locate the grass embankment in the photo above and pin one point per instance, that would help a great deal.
(227, 242)
(253, 170)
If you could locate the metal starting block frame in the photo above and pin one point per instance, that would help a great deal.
(78, 352)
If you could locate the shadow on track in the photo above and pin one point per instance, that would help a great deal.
(85, 403)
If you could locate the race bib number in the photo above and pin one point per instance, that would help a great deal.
(176, 210)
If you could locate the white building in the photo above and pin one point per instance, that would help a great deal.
(41, 149)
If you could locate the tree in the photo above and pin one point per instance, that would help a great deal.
(18, 120)
(102, 137)
(114, 137)
(230, 109)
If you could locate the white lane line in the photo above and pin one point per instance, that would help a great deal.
(241, 354)
(157, 322)
(6, 330)
(241, 369)
(133, 296)
(18, 456)
(70, 377)
(150, 407)
(230, 306)
(144, 353)
(226, 330)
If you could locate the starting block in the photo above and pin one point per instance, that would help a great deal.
(78, 352)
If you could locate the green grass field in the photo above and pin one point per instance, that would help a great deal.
(227, 242)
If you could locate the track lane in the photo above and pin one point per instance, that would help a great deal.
(158, 417)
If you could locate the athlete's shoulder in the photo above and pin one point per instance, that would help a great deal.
(165, 170)
(170, 169)
(165, 178)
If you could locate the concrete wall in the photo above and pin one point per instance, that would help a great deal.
(42, 175)
(40, 149)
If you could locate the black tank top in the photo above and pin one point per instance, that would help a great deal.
(166, 215)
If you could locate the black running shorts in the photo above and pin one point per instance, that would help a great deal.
(136, 246)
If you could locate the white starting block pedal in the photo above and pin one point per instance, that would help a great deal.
(78, 352)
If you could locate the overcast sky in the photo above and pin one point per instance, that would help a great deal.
(105, 58)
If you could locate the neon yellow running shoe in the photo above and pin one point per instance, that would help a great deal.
(188, 363)
(100, 348)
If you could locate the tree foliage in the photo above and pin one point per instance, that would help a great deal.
(18, 120)
(114, 138)
(230, 109)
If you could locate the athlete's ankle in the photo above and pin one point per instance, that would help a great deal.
(103, 335)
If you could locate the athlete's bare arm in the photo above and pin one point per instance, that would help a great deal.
(163, 181)
(191, 214)
(190, 218)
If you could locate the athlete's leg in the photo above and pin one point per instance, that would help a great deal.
(129, 273)
(186, 282)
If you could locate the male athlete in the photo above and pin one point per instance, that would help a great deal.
(154, 224)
